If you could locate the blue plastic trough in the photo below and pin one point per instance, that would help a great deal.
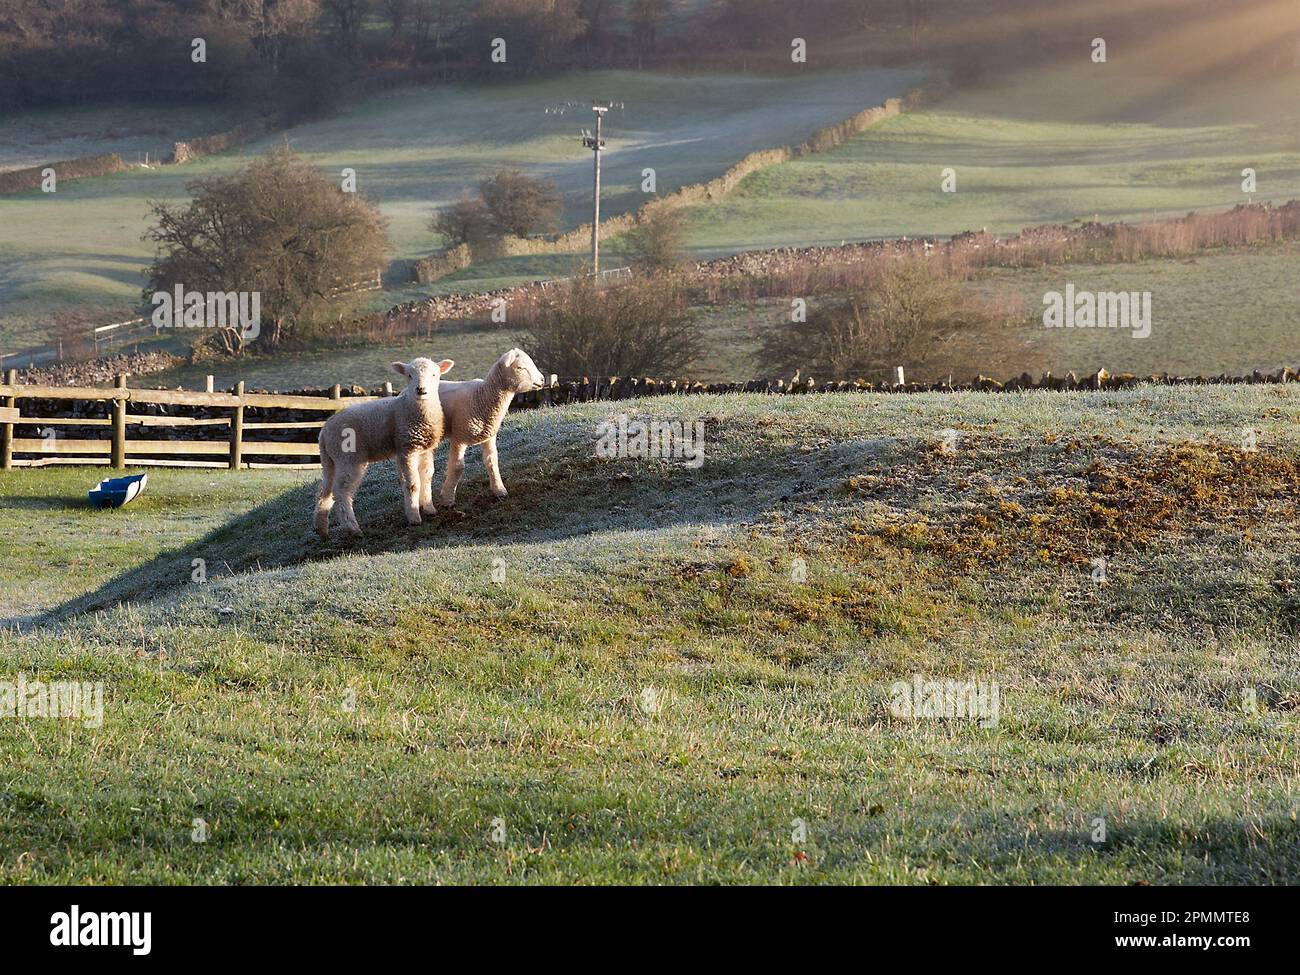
(114, 492)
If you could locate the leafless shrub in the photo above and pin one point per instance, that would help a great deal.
(465, 221)
(641, 328)
(906, 307)
(521, 204)
(658, 241)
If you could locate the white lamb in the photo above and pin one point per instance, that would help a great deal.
(473, 411)
(408, 426)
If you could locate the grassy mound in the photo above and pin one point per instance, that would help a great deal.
(635, 671)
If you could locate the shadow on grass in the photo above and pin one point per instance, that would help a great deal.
(564, 492)
(56, 503)
(262, 818)
(1214, 851)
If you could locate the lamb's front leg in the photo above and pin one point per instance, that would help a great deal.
(455, 466)
(408, 473)
(426, 484)
(490, 462)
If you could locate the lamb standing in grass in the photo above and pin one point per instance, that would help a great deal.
(473, 411)
(408, 426)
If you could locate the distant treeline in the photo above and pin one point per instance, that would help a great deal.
(300, 56)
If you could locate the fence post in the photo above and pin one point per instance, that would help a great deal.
(237, 430)
(119, 425)
(209, 386)
(7, 429)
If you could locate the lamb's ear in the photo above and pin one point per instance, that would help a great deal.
(445, 365)
(398, 367)
(511, 357)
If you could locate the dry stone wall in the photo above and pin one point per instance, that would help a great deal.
(183, 152)
(22, 180)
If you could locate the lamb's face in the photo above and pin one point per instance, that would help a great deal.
(422, 376)
(520, 373)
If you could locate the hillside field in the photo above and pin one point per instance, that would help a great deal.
(634, 671)
(1061, 144)
(414, 150)
(1052, 145)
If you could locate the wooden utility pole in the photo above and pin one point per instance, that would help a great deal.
(595, 144)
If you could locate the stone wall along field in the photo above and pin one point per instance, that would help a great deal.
(219, 142)
(436, 266)
(21, 180)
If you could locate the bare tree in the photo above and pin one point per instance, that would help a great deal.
(278, 228)
(435, 21)
(280, 22)
(521, 204)
(466, 221)
(648, 17)
(539, 30)
(397, 11)
(349, 17)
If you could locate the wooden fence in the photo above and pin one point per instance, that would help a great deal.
(239, 447)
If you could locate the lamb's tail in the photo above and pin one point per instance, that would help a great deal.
(325, 501)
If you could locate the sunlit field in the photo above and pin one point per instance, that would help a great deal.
(1107, 142)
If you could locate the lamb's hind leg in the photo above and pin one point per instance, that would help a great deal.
(427, 506)
(325, 500)
(346, 481)
(455, 467)
(408, 472)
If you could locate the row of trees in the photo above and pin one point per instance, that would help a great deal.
(259, 52)
(295, 56)
(301, 55)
